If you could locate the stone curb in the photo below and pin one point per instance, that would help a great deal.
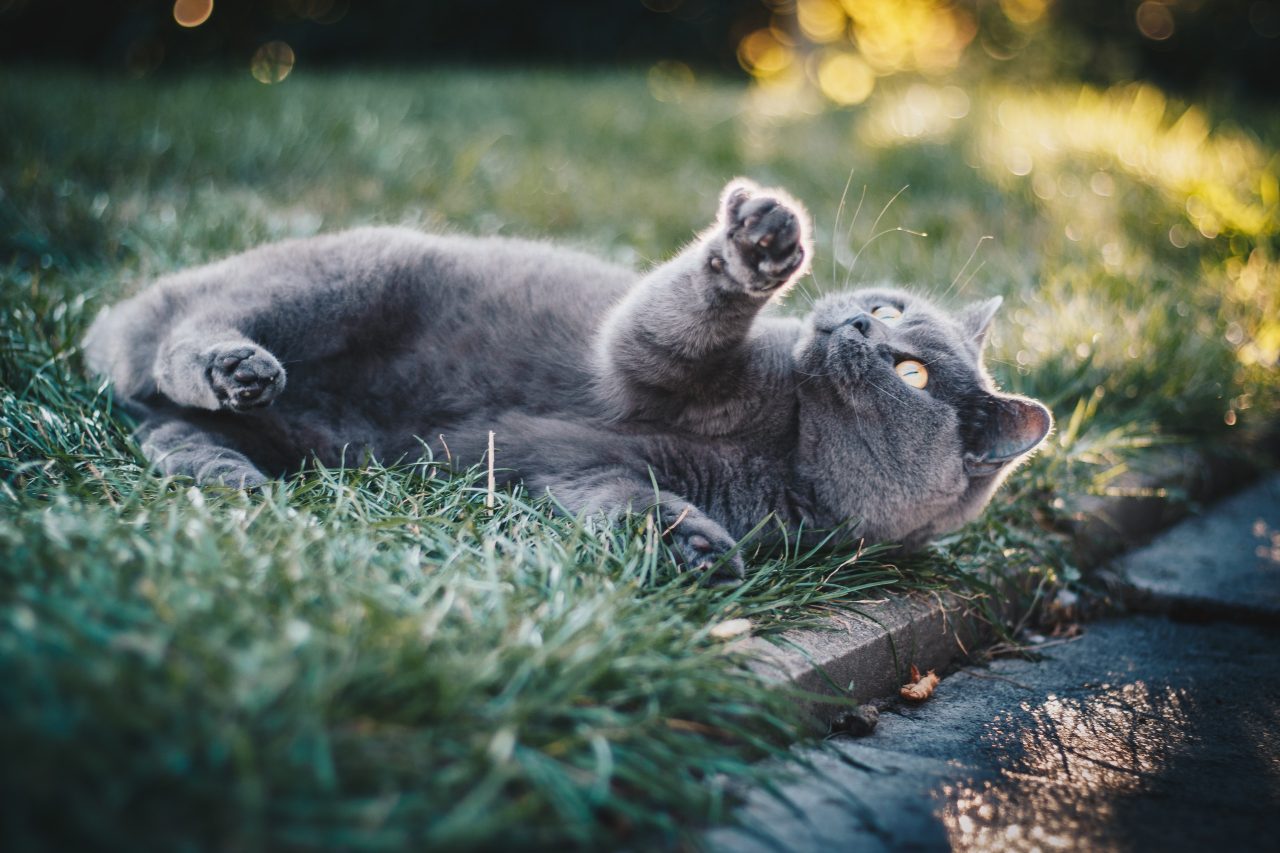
(867, 653)
(1221, 565)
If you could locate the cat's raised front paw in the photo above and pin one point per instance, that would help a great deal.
(766, 243)
(244, 377)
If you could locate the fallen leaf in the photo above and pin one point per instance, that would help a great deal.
(921, 687)
(731, 628)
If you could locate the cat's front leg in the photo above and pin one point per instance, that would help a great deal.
(212, 367)
(699, 542)
(178, 447)
(682, 333)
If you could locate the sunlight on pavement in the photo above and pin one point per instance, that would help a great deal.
(1063, 764)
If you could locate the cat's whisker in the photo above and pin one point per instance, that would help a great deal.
(882, 390)
(848, 237)
(877, 237)
(835, 226)
(984, 238)
(889, 204)
(874, 236)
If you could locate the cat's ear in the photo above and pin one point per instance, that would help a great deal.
(976, 319)
(734, 195)
(1014, 426)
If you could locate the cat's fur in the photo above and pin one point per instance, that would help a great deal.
(668, 392)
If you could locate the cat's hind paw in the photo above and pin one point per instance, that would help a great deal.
(244, 377)
(766, 241)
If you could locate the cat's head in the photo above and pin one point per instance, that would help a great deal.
(901, 428)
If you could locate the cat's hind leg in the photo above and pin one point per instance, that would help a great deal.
(209, 366)
(178, 446)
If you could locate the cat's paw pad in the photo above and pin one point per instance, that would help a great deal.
(232, 474)
(766, 235)
(708, 551)
(244, 377)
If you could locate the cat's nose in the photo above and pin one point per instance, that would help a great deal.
(861, 322)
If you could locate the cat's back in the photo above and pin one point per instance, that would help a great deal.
(350, 270)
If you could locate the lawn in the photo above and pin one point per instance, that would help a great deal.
(365, 659)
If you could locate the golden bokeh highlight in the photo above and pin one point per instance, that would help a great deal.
(1223, 180)
(842, 46)
(1024, 12)
(272, 62)
(763, 55)
(845, 78)
(921, 112)
(192, 13)
(821, 21)
(910, 35)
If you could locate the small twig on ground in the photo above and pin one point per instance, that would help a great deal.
(488, 498)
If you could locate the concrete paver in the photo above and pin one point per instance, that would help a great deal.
(1223, 564)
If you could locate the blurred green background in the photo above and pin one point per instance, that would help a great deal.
(370, 659)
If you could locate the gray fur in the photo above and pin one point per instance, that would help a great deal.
(598, 386)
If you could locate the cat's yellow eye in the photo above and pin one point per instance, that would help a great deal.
(887, 314)
(913, 373)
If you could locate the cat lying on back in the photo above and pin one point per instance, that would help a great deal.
(668, 392)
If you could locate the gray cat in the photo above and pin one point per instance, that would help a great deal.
(668, 393)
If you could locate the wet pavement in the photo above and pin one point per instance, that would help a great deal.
(1144, 733)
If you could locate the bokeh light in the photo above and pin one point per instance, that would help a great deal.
(669, 81)
(922, 112)
(1024, 12)
(272, 62)
(910, 35)
(1155, 20)
(821, 20)
(844, 45)
(192, 13)
(763, 55)
(845, 78)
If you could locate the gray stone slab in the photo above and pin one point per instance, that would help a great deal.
(1144, 734)
(867, 653)
(1225, 563)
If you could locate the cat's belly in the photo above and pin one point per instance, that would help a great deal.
(403, 409)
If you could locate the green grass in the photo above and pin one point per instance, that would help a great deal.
(368, 659)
